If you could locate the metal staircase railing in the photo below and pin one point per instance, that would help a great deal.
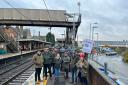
(11, 43)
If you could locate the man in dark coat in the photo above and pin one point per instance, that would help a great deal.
(47, 62)
(73, 67)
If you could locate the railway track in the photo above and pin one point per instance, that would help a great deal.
(13, 61)
(20, 79)
(8, 64)
(11, 66)
(10, 74)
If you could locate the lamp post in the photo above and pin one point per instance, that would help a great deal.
(93, 32)
(90, 31)
(97, 36)
(97, 42)
(91, 28)
(79, 6)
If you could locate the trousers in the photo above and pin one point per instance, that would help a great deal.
(37, 73)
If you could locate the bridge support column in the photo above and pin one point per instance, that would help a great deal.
(71, 35)
(68, 31)
(30, 46)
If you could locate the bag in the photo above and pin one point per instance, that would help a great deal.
(83, 73)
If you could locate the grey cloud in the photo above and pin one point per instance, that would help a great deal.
(111, 15)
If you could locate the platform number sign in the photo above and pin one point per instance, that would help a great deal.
(87, 46)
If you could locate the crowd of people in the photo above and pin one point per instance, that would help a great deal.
(54, 61)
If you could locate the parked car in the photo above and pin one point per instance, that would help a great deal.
(111, 53)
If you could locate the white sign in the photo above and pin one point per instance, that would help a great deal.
(87, 46)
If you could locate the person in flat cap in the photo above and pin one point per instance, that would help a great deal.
(38, 62)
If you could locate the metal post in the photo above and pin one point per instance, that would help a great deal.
(97, 34)
(105, 68)
(92, 56)
(30, 46)
(73, 38)
(39, 35)
(97, 42)
(77, 40)
(33, 33)
(21, 56)
(79, 7)
(50, 29)
(19, 35)
(98, 37)
(90, 32)
(93, 29)
(18, 40)
(62, 39)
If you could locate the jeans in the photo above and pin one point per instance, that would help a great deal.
(53, 67)
(57, 72)
(66, 71)
(84, 81)
(79, 76)
(37, 73)
(47, 66)
(74, 75)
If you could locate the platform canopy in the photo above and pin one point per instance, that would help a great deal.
(33, 40)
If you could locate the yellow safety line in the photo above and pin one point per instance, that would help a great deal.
(45, 82)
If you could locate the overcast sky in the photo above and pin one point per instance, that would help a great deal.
(111, 16)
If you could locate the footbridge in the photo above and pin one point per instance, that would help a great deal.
(111, 44)
(40, 17)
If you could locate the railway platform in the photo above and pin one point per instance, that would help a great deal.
(50, 81)
(4, 56)
(20, 74)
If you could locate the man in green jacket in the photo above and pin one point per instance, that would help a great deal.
(66, 62)
(47, 62)
(73, 67)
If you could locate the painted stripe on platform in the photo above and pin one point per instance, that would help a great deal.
(45, 82)
(41, 83)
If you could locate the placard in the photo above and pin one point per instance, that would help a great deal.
(87, 46)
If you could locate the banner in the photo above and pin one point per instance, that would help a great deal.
(87, 46)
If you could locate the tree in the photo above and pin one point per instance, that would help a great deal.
(118, 50)
(125, 56)
(50, 38)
